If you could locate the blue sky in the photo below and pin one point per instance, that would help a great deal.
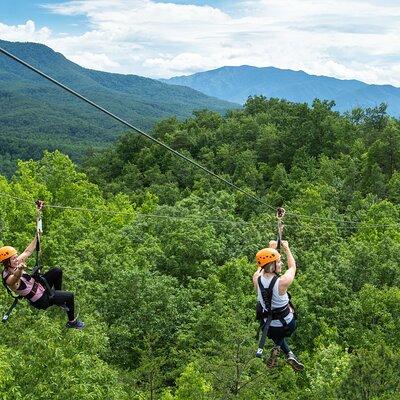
(19, 11)
(347, 39)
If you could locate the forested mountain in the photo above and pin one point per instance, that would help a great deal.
(35, 114)
(161, 256)
(237, 83)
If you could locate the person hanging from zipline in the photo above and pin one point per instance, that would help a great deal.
(274, 309)
(275, 312)
(41, 291)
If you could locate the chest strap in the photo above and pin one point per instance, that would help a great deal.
(33, 291)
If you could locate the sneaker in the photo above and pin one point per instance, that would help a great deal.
(77, 324)
(294, 362)
(273, 358)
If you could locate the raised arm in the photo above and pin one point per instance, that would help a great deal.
(29, 250)
(287, 278)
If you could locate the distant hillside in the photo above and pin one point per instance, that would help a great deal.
(37, 115)
(237, 83)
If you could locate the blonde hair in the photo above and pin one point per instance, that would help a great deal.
(270, 267)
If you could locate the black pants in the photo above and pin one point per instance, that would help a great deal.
(278, 334)
(59, 297)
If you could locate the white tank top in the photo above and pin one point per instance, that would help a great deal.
(277, 301)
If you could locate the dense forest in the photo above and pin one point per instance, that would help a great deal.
(160, 257)
(35, 115)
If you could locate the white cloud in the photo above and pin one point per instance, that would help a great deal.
(346, 39)
(182, 63)
(94, 60)
(24, 33)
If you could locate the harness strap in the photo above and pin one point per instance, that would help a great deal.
(278, 313)
(263, 338)
(49, 290)
(9, 311)
(33, 291)
(37, 268)
(267, 297)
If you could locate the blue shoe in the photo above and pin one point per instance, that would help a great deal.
(77, 324)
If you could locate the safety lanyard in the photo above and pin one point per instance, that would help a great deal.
(280, 213)
(39, 230)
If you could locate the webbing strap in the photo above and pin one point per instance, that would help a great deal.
(36, 268)
(50, 291)
(9, 311)
(267, 297)
(263, 338)
(280, 213)
(6, 286)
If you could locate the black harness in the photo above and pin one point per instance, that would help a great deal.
(267, 314)
(15, 302)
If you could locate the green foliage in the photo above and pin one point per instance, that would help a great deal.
(190, 385)
(160, 257)
(373, 374)
(36, 116)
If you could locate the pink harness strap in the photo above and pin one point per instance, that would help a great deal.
(31, 286)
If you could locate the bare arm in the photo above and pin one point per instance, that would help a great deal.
(258, 273)
(287, 278)
(14, 279)
(28, 251)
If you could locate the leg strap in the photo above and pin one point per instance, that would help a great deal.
(9, 311)
(264, 335)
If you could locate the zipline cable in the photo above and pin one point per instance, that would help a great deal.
(272, 218)
(159, 142)
(147, 215)
(271, 222)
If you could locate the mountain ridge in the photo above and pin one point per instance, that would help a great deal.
(237, 83)
(35, 115)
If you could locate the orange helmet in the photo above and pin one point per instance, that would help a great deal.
(265, 256)
(6, 252)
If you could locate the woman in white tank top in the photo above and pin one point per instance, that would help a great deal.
(269, 266)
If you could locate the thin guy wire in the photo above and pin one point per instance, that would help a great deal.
(144, 215)
(288, 213)
(150, 215)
